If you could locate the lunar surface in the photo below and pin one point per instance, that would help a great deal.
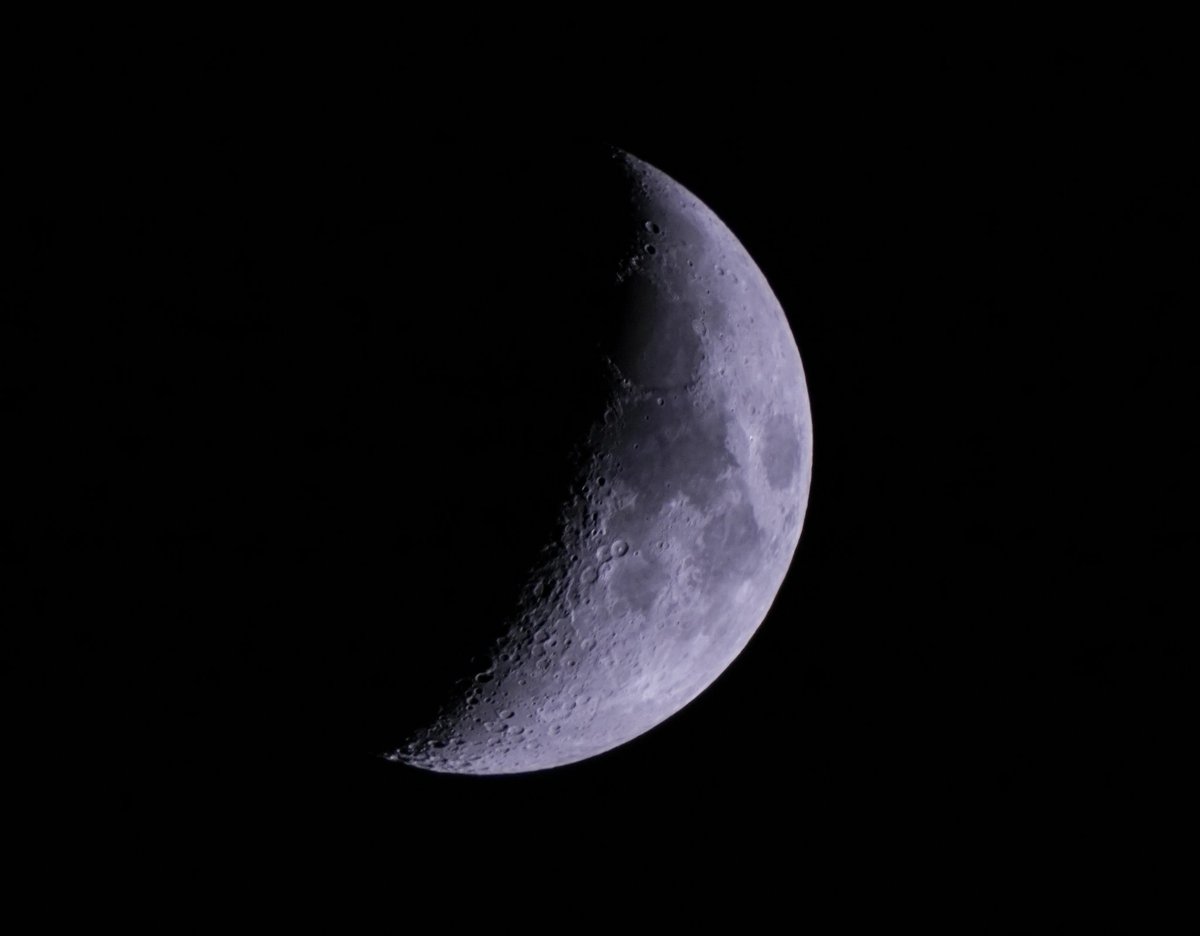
(691, 480)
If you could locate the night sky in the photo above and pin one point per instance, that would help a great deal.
(980, 632)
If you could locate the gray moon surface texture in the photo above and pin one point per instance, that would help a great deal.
(684, 522)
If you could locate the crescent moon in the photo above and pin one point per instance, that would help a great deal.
(688, 507)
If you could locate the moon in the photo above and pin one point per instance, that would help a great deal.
(690, 486)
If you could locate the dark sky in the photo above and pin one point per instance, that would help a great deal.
(981, 263)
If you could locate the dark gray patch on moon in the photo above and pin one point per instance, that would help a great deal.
(729, 542)
(655, 352)
(781, 451)
(675, 454)
(683, 517)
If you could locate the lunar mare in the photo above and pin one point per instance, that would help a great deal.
(684, 518)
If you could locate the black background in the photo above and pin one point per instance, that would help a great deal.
(979, 641)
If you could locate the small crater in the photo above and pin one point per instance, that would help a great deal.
(653, 228)
(620, 548)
